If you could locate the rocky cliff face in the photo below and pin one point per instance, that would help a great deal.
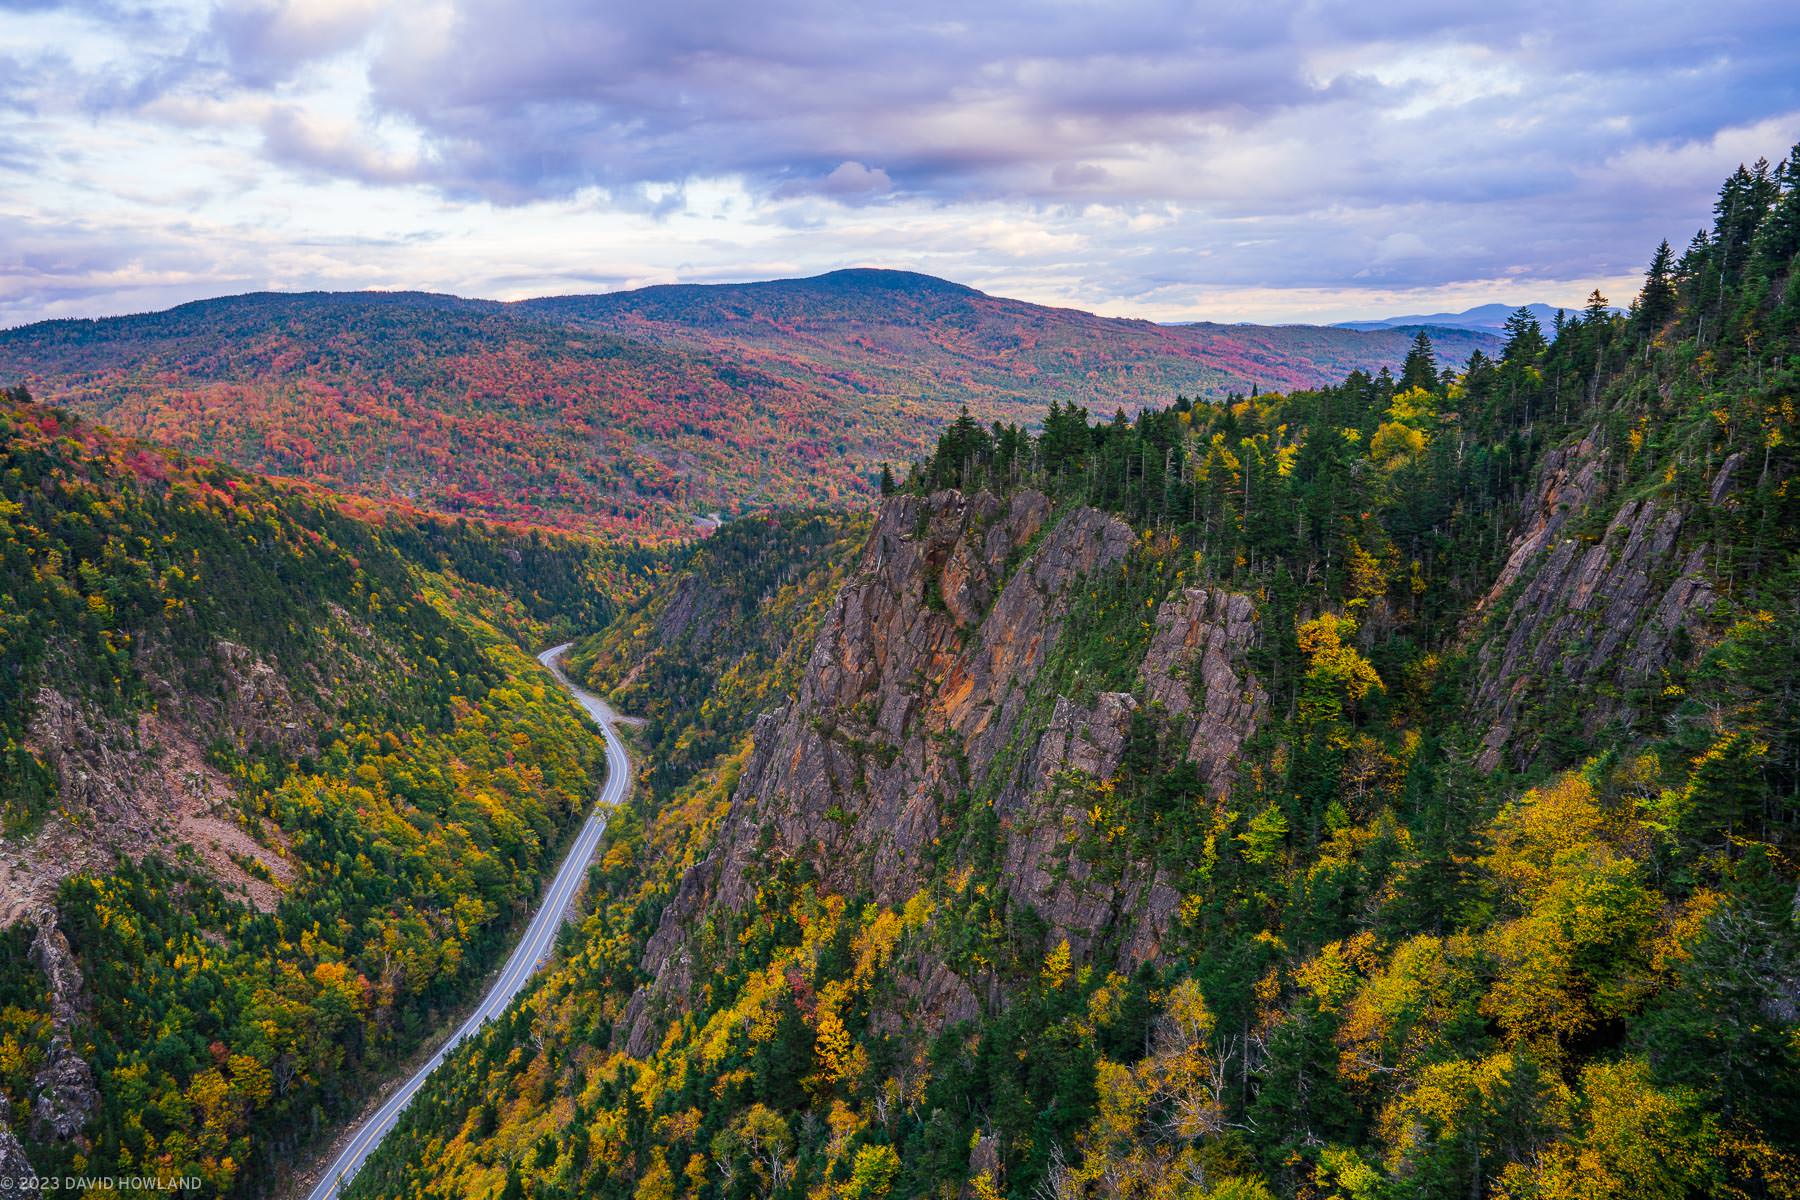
(922, 689)
(1602, 613)
(16, 1172)
(65, 1099)
(1195, 670)
(130, 787)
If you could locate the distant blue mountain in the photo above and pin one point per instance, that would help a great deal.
(1482, 316)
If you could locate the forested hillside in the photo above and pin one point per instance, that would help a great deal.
(1388, 789)
(630, 414)
(698, 660)
(276, 780)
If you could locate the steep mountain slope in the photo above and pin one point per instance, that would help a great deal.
(631, 413)
(1180, 807)
(720, 641)
(276, 781)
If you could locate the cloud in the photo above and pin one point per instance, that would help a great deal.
(68, 268)
(1152, 152)
(266, 41)
(1074, 176)
(851, 178)
(849, 182)
(945, 97)
(960, 101)
(332, 147)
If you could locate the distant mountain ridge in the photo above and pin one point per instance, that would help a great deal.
(628, 412)
(1488, 317)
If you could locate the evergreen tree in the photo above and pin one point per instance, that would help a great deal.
(1779, 239)
(1656, 304)
(1743, 201)
(1712, 1031)
(1420, 369)
(963, 448)
(1065, 442)
(1598, 310)
(1693, 259)
(1524, 339)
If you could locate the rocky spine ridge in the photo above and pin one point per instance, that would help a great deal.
(921, 688)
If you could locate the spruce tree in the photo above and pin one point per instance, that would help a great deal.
(1779, 239)
(1657, 302)
(1524, 339)
(1420, 369)
(1743, 201)
(1693, 259)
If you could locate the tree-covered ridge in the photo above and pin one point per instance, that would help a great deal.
(277, 778)
(119, 556)
(1396, 496)
(124, 560)
(1388, 970)
(699, 659)
(630, 414)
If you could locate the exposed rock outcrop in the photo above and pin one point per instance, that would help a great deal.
(911, 659)
(1725, 480)
(919, 692)
(16, 1173)
(1042, 864)
(1196, 668)
(65, 1098)
(1568, 483)
(1599, 615)
(51, 954)
(129, 788)
(931, 996)
(96, 761)
(257, 708)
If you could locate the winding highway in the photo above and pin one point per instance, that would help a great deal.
(527, 957)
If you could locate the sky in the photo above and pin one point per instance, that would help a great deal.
(1263, 161)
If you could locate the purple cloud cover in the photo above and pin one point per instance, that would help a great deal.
(1165, 158)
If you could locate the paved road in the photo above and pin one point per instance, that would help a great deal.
(533, 948)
